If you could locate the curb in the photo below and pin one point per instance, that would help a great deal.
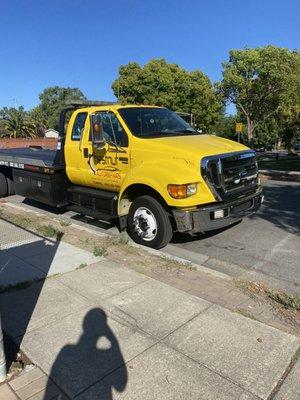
(274, 172)
(158, 253)
(290, 176)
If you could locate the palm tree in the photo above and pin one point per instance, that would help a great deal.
(17, 123)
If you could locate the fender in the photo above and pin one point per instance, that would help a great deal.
(157, 177)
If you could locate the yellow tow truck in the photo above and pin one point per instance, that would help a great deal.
(143, 167)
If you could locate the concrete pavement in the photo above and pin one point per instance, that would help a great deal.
(25, 256)
(107, 332)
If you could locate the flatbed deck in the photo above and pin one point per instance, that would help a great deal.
(38, 157)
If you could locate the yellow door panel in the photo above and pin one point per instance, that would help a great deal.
(74, 157)
(106, 168)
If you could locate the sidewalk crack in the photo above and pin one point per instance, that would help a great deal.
(286, 373)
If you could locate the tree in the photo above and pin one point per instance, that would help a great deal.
(259, 81)
(289, 113)
(3, 131)
(168, 85)
(52, 101)
(17, 123)
(39, 120)
(290, 125)
(225, 127)
(267, 133)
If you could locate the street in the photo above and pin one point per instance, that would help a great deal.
(266, 243)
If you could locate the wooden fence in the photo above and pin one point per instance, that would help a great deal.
(48, 143)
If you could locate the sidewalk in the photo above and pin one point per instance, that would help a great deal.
(104, 331)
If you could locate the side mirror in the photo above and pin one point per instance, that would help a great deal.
(98, 140)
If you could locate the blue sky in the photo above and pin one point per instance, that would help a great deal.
(81, 43)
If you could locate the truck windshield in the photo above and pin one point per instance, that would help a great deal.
(155, 122)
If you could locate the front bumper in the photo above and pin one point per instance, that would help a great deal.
(203, 218)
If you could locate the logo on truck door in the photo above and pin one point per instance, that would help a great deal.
(110, 165)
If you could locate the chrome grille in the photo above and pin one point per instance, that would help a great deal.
(231, 175)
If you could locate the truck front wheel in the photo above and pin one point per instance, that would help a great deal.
(149, 223)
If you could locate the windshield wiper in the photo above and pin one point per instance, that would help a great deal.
(172, 131)
(187, 131)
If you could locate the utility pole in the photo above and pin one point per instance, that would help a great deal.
(15, 103)
(2, 356)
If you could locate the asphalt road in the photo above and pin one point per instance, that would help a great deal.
(265, 245)
(267, 242)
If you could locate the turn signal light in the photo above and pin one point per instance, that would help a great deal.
(182, 191)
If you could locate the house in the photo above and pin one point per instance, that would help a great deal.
(51, 133)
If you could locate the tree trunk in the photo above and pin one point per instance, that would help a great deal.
(250, 131)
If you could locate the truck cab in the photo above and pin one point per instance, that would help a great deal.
(145, 168)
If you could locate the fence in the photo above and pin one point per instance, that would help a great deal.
(48, 143)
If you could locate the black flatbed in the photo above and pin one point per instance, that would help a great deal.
(35, 156)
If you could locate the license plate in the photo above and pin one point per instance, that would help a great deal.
(241, 207)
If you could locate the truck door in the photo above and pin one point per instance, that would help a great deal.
(106, 168)
(74, 157)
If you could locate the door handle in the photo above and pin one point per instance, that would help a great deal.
(85, 152)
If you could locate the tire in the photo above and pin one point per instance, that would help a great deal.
(149, 223)
(3, 185)
(10, 186)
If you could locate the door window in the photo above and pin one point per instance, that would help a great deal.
(113, 130)
(78, 126)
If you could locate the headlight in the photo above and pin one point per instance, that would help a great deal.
(182, 191)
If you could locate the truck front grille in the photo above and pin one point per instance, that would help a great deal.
(231, 175)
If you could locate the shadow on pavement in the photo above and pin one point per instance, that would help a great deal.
(281, 207)
(23, 269)
(186, 238)
(93, 222)
(44, 207)
(96, 349)
(64, 210)
(27, 304)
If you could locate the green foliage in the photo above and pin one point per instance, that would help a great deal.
(285, 299)
(52, 101)
(169, 85)
(49, 231)
(289, 121)
(16, 122)
(64, 222)
(261, 82)
(266, 133)
(82, 265)
(39, 120)
(3, 131)
(288, 163)
(100, 251)
(225, 127)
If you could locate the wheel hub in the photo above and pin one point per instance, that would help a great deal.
(144, 223)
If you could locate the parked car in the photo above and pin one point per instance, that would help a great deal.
(297, 146)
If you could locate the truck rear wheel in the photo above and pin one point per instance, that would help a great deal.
(10, 186)
(149, 223)
(3, 185)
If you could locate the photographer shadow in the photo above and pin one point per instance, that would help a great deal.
(97, 350)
